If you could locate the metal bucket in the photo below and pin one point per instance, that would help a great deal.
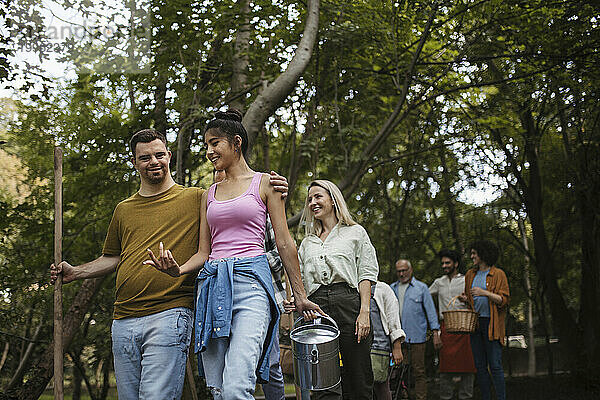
(316, 353)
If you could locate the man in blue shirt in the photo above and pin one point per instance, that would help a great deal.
(417, 310)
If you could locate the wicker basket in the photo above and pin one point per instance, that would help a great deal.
(460, 321)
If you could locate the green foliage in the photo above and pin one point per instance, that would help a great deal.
(461, 113)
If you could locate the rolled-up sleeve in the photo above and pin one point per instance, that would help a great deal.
(366, 260)
(502, 288)
(390, 304)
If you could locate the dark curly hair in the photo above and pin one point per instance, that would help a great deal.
(451, 254)
(487, 251)
(229, 125)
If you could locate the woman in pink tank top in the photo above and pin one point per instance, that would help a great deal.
(236, 314)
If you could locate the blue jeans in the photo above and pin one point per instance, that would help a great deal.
(488, 352)
(230, 362)
(150, 354)
(275, 388)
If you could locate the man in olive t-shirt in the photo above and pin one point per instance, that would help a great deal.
(173, 217)
(152, 322)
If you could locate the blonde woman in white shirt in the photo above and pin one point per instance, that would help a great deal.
(339, 264)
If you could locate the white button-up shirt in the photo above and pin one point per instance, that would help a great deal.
(446, 290)
(346, 255)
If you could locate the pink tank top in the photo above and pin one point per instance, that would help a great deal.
(237, 226)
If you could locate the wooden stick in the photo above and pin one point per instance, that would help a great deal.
(58, 314)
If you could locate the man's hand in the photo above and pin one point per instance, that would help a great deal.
(437, 341)
(164, 263)
(397, 356)
(463, 297)
(308, 309)
(279, 183)
(64, 268)
(362, 325)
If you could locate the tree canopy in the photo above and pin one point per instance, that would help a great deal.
(442, 122)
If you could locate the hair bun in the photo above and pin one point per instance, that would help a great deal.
(231, 114)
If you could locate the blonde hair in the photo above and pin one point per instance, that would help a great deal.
(313, 226)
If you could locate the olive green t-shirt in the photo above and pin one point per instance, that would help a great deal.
(141, 223)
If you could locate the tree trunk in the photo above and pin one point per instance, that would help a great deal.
(26, 332)
(103, 392)
(17, 377)
(160, 98)
(240, 61)
(182, 147)
(562, 318)
(266, 136)
(275, 94)
(77, 378)
(297, 157)
(292, 172)
(42, 371)
(590, 278)
(532, 196)
(531, 366)
(583, 167)
(75, 358)
(449, 200)
(4, 354)
(547, 346)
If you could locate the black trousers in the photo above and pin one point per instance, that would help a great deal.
(342, 303)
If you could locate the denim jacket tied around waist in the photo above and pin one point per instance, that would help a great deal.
(214, 304)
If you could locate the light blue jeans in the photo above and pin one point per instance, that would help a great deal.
(230, 362)
(150, 354)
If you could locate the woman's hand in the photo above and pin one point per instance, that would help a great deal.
(165, 262)
(477, 291)
(494, 298)
(308, 309)
(363, 325)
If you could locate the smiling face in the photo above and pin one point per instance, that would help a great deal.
(320, 202)
(220, 151)
(448, 266)
(152, 161)
(475, 258)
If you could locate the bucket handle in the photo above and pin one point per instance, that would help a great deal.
(316, 321)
